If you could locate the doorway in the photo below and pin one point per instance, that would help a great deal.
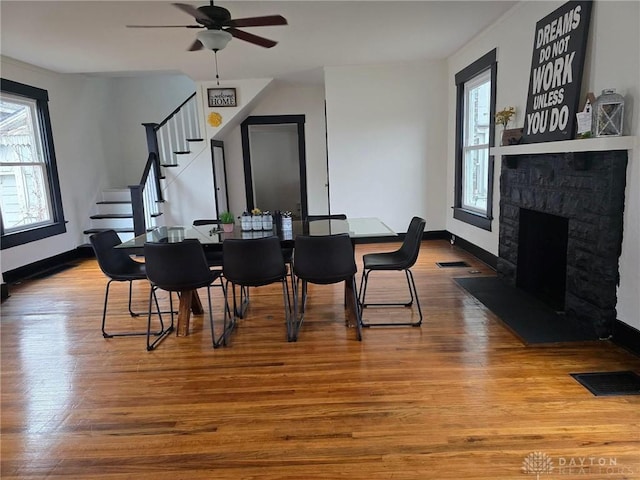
(273, 150)
(219, 177)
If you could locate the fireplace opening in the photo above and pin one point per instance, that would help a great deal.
(542, 256)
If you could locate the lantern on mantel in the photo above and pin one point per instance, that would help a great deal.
(608, 113)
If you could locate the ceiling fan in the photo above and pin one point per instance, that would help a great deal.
(218, 27)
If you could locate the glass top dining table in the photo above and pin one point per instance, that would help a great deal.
(357, 228)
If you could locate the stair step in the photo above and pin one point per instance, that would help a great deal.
(195, 139)
(111, 215)
(169, 165)
(182, 152)
(114, 202)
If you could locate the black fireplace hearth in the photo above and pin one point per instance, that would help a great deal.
(584, 191)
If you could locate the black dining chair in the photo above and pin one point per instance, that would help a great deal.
(118, 266)
(399, 260)
(324, 260)
(180, 267)
(255, 262)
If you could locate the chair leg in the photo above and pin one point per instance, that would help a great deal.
(106, 334)
(228, 320)
(296, 315)
(289, 319)
(358, 311)
(413, 294)
(239, 311)
(229, 317)
(162, 333)
(131, 312)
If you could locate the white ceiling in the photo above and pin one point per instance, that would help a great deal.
(91, 36)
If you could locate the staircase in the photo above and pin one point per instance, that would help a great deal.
(134, 210)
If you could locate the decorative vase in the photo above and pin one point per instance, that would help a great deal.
(245, 222)
(256, 221)
(286, 222)
(267, 221)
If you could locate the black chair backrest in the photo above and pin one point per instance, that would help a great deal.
(324, 259)
(205, 221)
(335, 216)
(412, 241)
(253, 261)
(177, 266)
(112, 262)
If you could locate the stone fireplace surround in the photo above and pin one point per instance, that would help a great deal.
(587, 188)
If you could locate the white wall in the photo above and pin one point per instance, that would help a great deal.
(80, 111)
(285, 99)
(98, 140)
(612, 61)
(386, 127)
(138, 100)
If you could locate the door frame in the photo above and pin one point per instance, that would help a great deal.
(220, 144)
(297, 120)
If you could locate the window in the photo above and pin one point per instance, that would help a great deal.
(474, 135)
(30, 199)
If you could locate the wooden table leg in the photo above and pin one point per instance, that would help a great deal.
(351, 316)
(189, 302)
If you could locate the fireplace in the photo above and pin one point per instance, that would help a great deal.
(542, 256)
(560, 233)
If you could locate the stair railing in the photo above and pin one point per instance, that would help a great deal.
(171, 136)
(164, 141)
(146, 197)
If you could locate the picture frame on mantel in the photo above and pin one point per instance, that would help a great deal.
(559, 49)
(221, 97)
(511, 136)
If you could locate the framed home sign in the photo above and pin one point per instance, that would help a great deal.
(222, 97)
(559, 46)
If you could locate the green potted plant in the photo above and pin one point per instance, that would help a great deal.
(227, 220)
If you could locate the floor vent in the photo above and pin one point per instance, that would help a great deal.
(452, 264)
(610, 383)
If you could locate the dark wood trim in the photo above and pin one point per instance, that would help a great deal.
(484, 63)
(298, 120)
(58, 224)
(475, 219)
(490, 259)
(216, 187)
(4, 291)
(41, 266)
(626, 337)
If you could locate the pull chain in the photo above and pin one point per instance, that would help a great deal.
(215, 54)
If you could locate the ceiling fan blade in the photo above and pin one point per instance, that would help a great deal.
(251, 38)
(195, 46)
(257, 21)
(164, 26)
(195, 13)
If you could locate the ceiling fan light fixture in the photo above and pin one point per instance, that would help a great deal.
(214, 39)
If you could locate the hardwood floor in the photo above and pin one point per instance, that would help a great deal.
(460, 397)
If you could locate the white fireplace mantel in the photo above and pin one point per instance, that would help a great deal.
(567, 146)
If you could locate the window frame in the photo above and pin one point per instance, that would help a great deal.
(58, 223)
(485, 63)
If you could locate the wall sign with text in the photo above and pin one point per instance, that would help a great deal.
(222, 97)
(559, 49)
